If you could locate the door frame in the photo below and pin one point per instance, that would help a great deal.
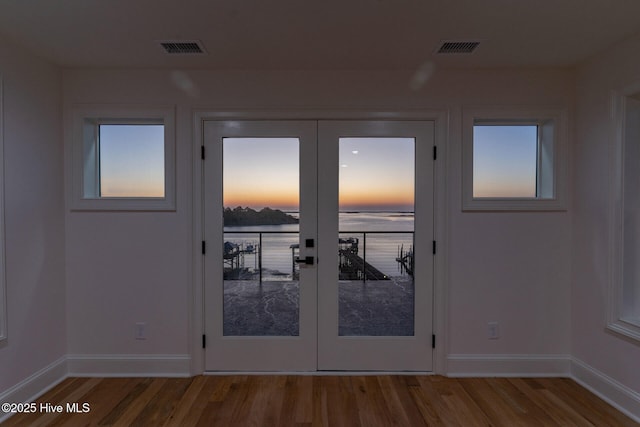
(441, 212)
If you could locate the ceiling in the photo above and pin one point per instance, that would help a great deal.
(317, 34)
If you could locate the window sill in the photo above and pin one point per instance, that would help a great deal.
(629, 329)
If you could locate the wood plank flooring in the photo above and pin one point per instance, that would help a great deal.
(269, 400)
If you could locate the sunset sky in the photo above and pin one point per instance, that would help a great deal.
(261, 172)
(504, 161)
(375, 173)
(132, 160)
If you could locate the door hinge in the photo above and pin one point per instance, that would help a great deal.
(202, 152)
(204, 247)
(435, 152)
(204, 341)
(434, 247)
(433, 341)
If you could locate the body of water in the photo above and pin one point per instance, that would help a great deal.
(380, 235)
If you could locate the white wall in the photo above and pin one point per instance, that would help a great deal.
(508, 267)
(610, 354)
(543, 276)
(34, 215)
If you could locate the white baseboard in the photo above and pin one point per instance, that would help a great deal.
(34, 386)
(509, 365)
(129, 365)
(611, 391)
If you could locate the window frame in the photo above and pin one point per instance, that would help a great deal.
(616, 320)
(85, 180)
(551, 166)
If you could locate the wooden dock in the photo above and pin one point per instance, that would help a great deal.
(233, 260)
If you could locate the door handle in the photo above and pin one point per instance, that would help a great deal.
(306, 260)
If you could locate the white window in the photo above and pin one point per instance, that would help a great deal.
(513, 159)
(624, 295)
(123, 158)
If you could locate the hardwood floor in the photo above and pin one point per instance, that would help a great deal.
(384, 400)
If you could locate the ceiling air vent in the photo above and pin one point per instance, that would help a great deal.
(178, 47)
(450, 46)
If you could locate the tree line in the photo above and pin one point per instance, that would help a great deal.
(247, 216)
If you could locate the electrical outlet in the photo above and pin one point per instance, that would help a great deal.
(141, 331)
(493, 332)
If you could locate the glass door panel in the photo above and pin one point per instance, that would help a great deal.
(375, 224)
(261, 194)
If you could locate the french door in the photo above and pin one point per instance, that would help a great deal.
(318, 245)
